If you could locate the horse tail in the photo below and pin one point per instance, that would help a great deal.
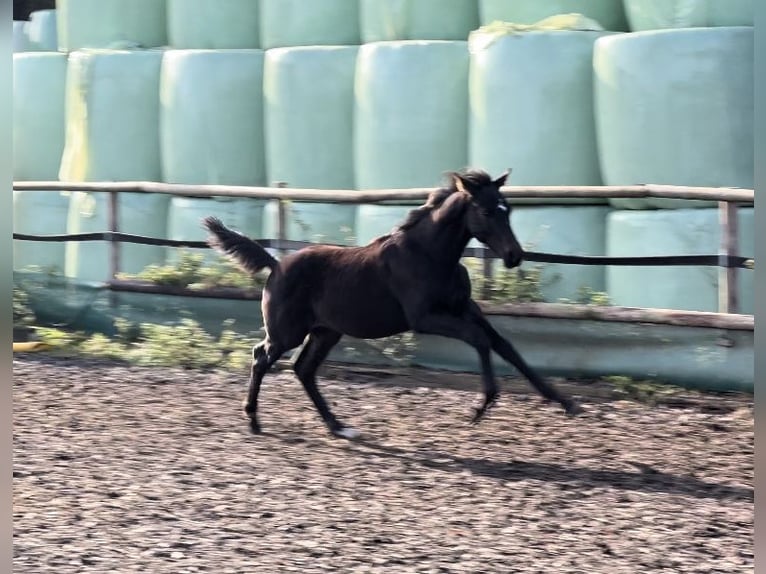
(251, 256)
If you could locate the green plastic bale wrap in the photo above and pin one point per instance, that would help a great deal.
(41, 31)
(675, 107)
(138, 213)
(382, 20)
(309, 112)
(570, 230)
(674, 232)
(213, 24)
(659, 14)
(112, 116)
(212, 117)
(411, 113)
(610, 14)
(375, 220)
(186, 214)
(39, 213)
(19, 38)
(315, 222)
(531, 102)
(39, 81)
(315, 23)
(110, 23)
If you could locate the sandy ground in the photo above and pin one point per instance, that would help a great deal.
(124, 469)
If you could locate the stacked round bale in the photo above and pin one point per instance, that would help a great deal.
(303, 112)
(38, 141)
(309, 95)
(674, 106)
(660, 14)
(212, 133)
(382, 20)
(410, 119)
(610, 14)
(110, 23)
(285, 23)
(531, 109)
(38, 34)
(411, 100)
(694, 231)
(19, 37)
(112, 117)
(212, 24)
(108, 124)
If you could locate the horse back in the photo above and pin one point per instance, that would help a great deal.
(342, 288)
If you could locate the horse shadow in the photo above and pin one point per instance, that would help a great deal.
(644, 479)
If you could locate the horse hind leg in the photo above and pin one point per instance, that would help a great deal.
(318, 345)
(265, 354)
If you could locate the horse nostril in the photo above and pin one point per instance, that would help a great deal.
(512, 260)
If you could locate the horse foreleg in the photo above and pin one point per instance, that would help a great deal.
(507, 351)
(470, 333)
(319, 344)
(265, 354)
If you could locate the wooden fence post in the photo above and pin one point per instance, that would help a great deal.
(114, 227)
(281, 219)
(114, 246)
(728, 299)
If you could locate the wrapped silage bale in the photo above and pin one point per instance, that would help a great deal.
(112, 116)
(20, 42)
(375, 220)
(39, 81)
(300, 23)
(382, 20)
(411, 112)
(213, 24)
(610, 14)
(531, 101)
(186, 214)
(110, 24)
(314, 222)
(41, 31)
(659, 14)
(675, 107)
(212, 117)
(674, 232)
(570, 230)
(309, 111)
(138, 213)
(39, 212)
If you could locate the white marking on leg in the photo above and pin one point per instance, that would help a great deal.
(348, 432)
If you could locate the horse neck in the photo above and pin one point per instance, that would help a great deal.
(443, 239)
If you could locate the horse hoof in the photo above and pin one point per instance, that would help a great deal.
(481, 412)
(346, 432)
(255, 428)
(574, 409)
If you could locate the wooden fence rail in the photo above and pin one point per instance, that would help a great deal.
(728, 199)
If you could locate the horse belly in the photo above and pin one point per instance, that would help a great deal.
(368, 313)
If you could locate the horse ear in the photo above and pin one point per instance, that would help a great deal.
(500, 181)
(459, 185)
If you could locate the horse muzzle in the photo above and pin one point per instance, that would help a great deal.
(513, 259)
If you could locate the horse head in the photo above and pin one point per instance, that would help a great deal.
(488, 214)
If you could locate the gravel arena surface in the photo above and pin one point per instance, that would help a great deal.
(126, 469)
